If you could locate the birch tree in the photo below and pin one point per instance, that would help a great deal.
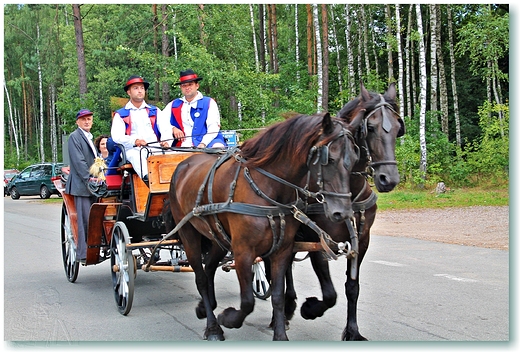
(388, 17)
(13, 127)
(433, 58)
(40, 91)
(297, 43)
(319, 104)
(443, 90)
(422, 76)
(453, 79)
(399, 54)
(338, 59)
(165, 44)
(255, 46)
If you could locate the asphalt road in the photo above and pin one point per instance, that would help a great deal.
(411, 291)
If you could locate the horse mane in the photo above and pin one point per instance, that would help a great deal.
(283, 141)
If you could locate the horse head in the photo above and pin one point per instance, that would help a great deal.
(377, 135)
(330, 163)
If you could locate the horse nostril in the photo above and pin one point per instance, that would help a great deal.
(337, 217)
(383, 180)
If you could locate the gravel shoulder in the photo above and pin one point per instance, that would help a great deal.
(479, 226)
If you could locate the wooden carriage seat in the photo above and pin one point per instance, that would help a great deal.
(150, 199)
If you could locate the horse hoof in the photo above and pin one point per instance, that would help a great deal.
(215, 338)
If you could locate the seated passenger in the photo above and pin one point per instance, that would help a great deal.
(194, 118)
(134, 126)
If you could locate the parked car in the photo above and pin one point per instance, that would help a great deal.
(35, 180)
(8, 175)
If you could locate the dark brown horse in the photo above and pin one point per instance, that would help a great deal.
(248, 201)
(377, 139)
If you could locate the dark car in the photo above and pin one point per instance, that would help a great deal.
(35, 180)
(8, 175)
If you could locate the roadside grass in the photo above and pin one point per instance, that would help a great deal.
(458, 197)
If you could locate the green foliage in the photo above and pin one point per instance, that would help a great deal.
(483, 161)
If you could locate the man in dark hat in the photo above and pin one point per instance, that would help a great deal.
(135, 125)
(82, 153)
(194, 118)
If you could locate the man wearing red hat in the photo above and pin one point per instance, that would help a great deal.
(194, 118)
(82, 153)
(135, 125)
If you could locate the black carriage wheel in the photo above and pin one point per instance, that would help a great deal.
(122, 265)
(68, 247)
(261, 286)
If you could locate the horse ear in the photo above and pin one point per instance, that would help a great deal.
(326, 124)
(391, 91)
(365, 95)
(356, 121)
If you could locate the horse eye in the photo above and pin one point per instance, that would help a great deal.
(331, 161)
(371, 128)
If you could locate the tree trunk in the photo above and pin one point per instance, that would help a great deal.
(13, 127)
(270, 45)
(433, 59)
(263, 46)
(276, 67)
(388, 17)
(309, 40)
(165, 52)
(453, 80)
(409, 57)
(255, 46)
(325, 61)
(297, 43)
(80, 51)
(40, 91)
(338, 59)
(422, 71)
(52, 118)
(443, 90)
(350, 56)
(319, 105)
(202, 19)
(399, 55)
(364, 32)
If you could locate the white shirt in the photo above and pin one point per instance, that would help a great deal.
(212, 122)
(141, 127)
(89, 138)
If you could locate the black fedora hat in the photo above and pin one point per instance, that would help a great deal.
(188, 76)
(135, 79)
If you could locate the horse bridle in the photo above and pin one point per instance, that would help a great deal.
(387, 127)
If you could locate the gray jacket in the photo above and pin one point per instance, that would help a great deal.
(81, 158)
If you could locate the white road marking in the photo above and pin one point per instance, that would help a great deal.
(382, 262)
(455, 278)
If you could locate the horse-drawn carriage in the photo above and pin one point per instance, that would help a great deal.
(127, 225)
(253, 201)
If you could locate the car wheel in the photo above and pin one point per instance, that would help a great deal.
(14, 193)
(44, 192)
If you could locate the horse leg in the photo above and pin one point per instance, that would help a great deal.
(191, 240)
(351, 331)
(280, 264)
(290, 293)
(212, 261)
(231, 317)
(313, 308)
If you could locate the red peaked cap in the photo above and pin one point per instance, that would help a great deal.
(188, 76)
(135, 79)
(83, 112)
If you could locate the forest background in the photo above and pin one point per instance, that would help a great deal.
(262, 62)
